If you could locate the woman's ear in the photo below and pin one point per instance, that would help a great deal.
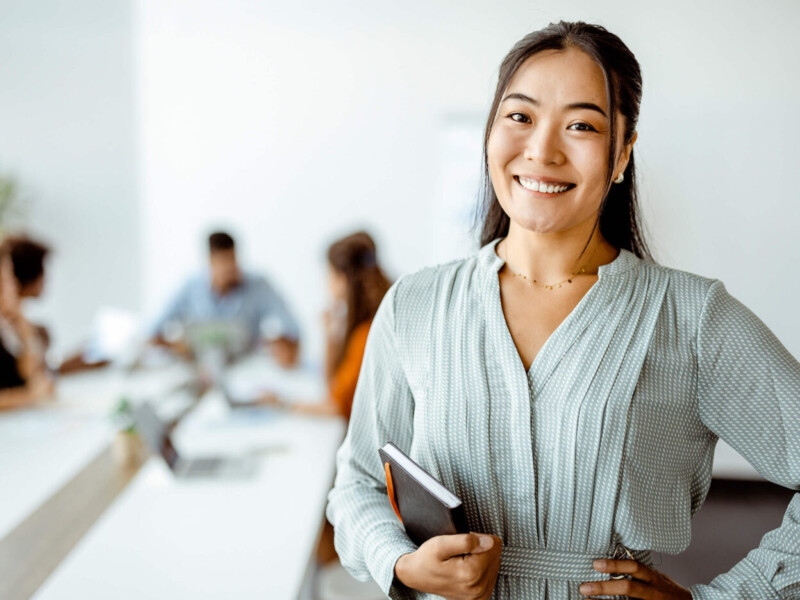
(625, 155)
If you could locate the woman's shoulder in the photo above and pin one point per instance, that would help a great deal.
(436, 281)
(683, 286)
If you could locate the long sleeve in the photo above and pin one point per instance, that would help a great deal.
(749, 395)
(175, 310)
(368, 536)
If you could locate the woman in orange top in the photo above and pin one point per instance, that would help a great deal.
(357, 285)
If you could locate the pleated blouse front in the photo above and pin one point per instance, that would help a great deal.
(607, 439)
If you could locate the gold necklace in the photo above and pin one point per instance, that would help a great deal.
(552, 286)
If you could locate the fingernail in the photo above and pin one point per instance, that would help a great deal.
(600, 564)
(587, 588)
(486, 542)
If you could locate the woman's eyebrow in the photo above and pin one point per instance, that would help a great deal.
(572, 106)
(587, 106)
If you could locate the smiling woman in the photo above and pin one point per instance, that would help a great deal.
(566, 388)
(602, 84)
(547, 154)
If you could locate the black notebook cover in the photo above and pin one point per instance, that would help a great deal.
(422, 513)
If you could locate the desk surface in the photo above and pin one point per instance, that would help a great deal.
(166, 538)
(44, 447)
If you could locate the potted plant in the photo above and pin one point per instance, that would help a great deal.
(9, 203)
(127, 449)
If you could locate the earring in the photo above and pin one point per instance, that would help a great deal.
(620, 178)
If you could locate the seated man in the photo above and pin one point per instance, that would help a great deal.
(226, 293)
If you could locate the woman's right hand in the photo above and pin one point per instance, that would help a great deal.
(458, 567)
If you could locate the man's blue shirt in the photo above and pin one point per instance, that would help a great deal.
(254, 303)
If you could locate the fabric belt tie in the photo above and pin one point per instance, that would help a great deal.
(541, 563)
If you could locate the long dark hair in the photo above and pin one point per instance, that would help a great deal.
(619, 220)
(356, 258)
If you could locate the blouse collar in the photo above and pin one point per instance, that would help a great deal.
(625, 261)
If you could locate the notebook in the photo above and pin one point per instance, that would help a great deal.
(424, 506)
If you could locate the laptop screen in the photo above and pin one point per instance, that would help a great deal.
(154, 433)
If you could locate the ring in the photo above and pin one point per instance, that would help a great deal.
(621, 553)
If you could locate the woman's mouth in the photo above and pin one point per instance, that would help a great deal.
(543, 187)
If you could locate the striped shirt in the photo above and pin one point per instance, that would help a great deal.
(607, 440)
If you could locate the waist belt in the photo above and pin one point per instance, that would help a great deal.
(541, 563)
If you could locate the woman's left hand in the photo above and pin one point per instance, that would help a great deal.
(644, 583)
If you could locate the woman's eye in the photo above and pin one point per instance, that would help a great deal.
(519, 118)
(581, 127)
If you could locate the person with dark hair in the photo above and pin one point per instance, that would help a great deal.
(226, 293)
(220, 240)
(567, 388)
(23, 375)
(28, 258)
(357, 285)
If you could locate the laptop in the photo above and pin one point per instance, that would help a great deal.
(155, 434)
(230, 338)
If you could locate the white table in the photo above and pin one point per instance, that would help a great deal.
(167, 538)
(39, 453)
(43, 447)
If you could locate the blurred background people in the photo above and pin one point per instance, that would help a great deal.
(356, 285)
(24, 377)
(28, 259)
(226, 293)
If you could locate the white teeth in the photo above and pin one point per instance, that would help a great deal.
(535, 186)
(529, 184)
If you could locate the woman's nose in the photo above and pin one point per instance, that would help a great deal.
(543, 146)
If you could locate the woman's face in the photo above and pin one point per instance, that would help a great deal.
(9, 288)
(548, 147)
(337, 284)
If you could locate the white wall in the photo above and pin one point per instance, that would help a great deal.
(293, 122)
(67, 130)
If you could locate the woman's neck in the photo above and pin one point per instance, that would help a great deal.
(550, 257)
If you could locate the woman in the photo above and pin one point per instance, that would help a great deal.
(23, 374)
(567, 389)
(357, 285)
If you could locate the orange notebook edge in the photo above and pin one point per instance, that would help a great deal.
(390, 490)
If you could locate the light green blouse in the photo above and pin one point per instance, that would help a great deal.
(608, 439)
